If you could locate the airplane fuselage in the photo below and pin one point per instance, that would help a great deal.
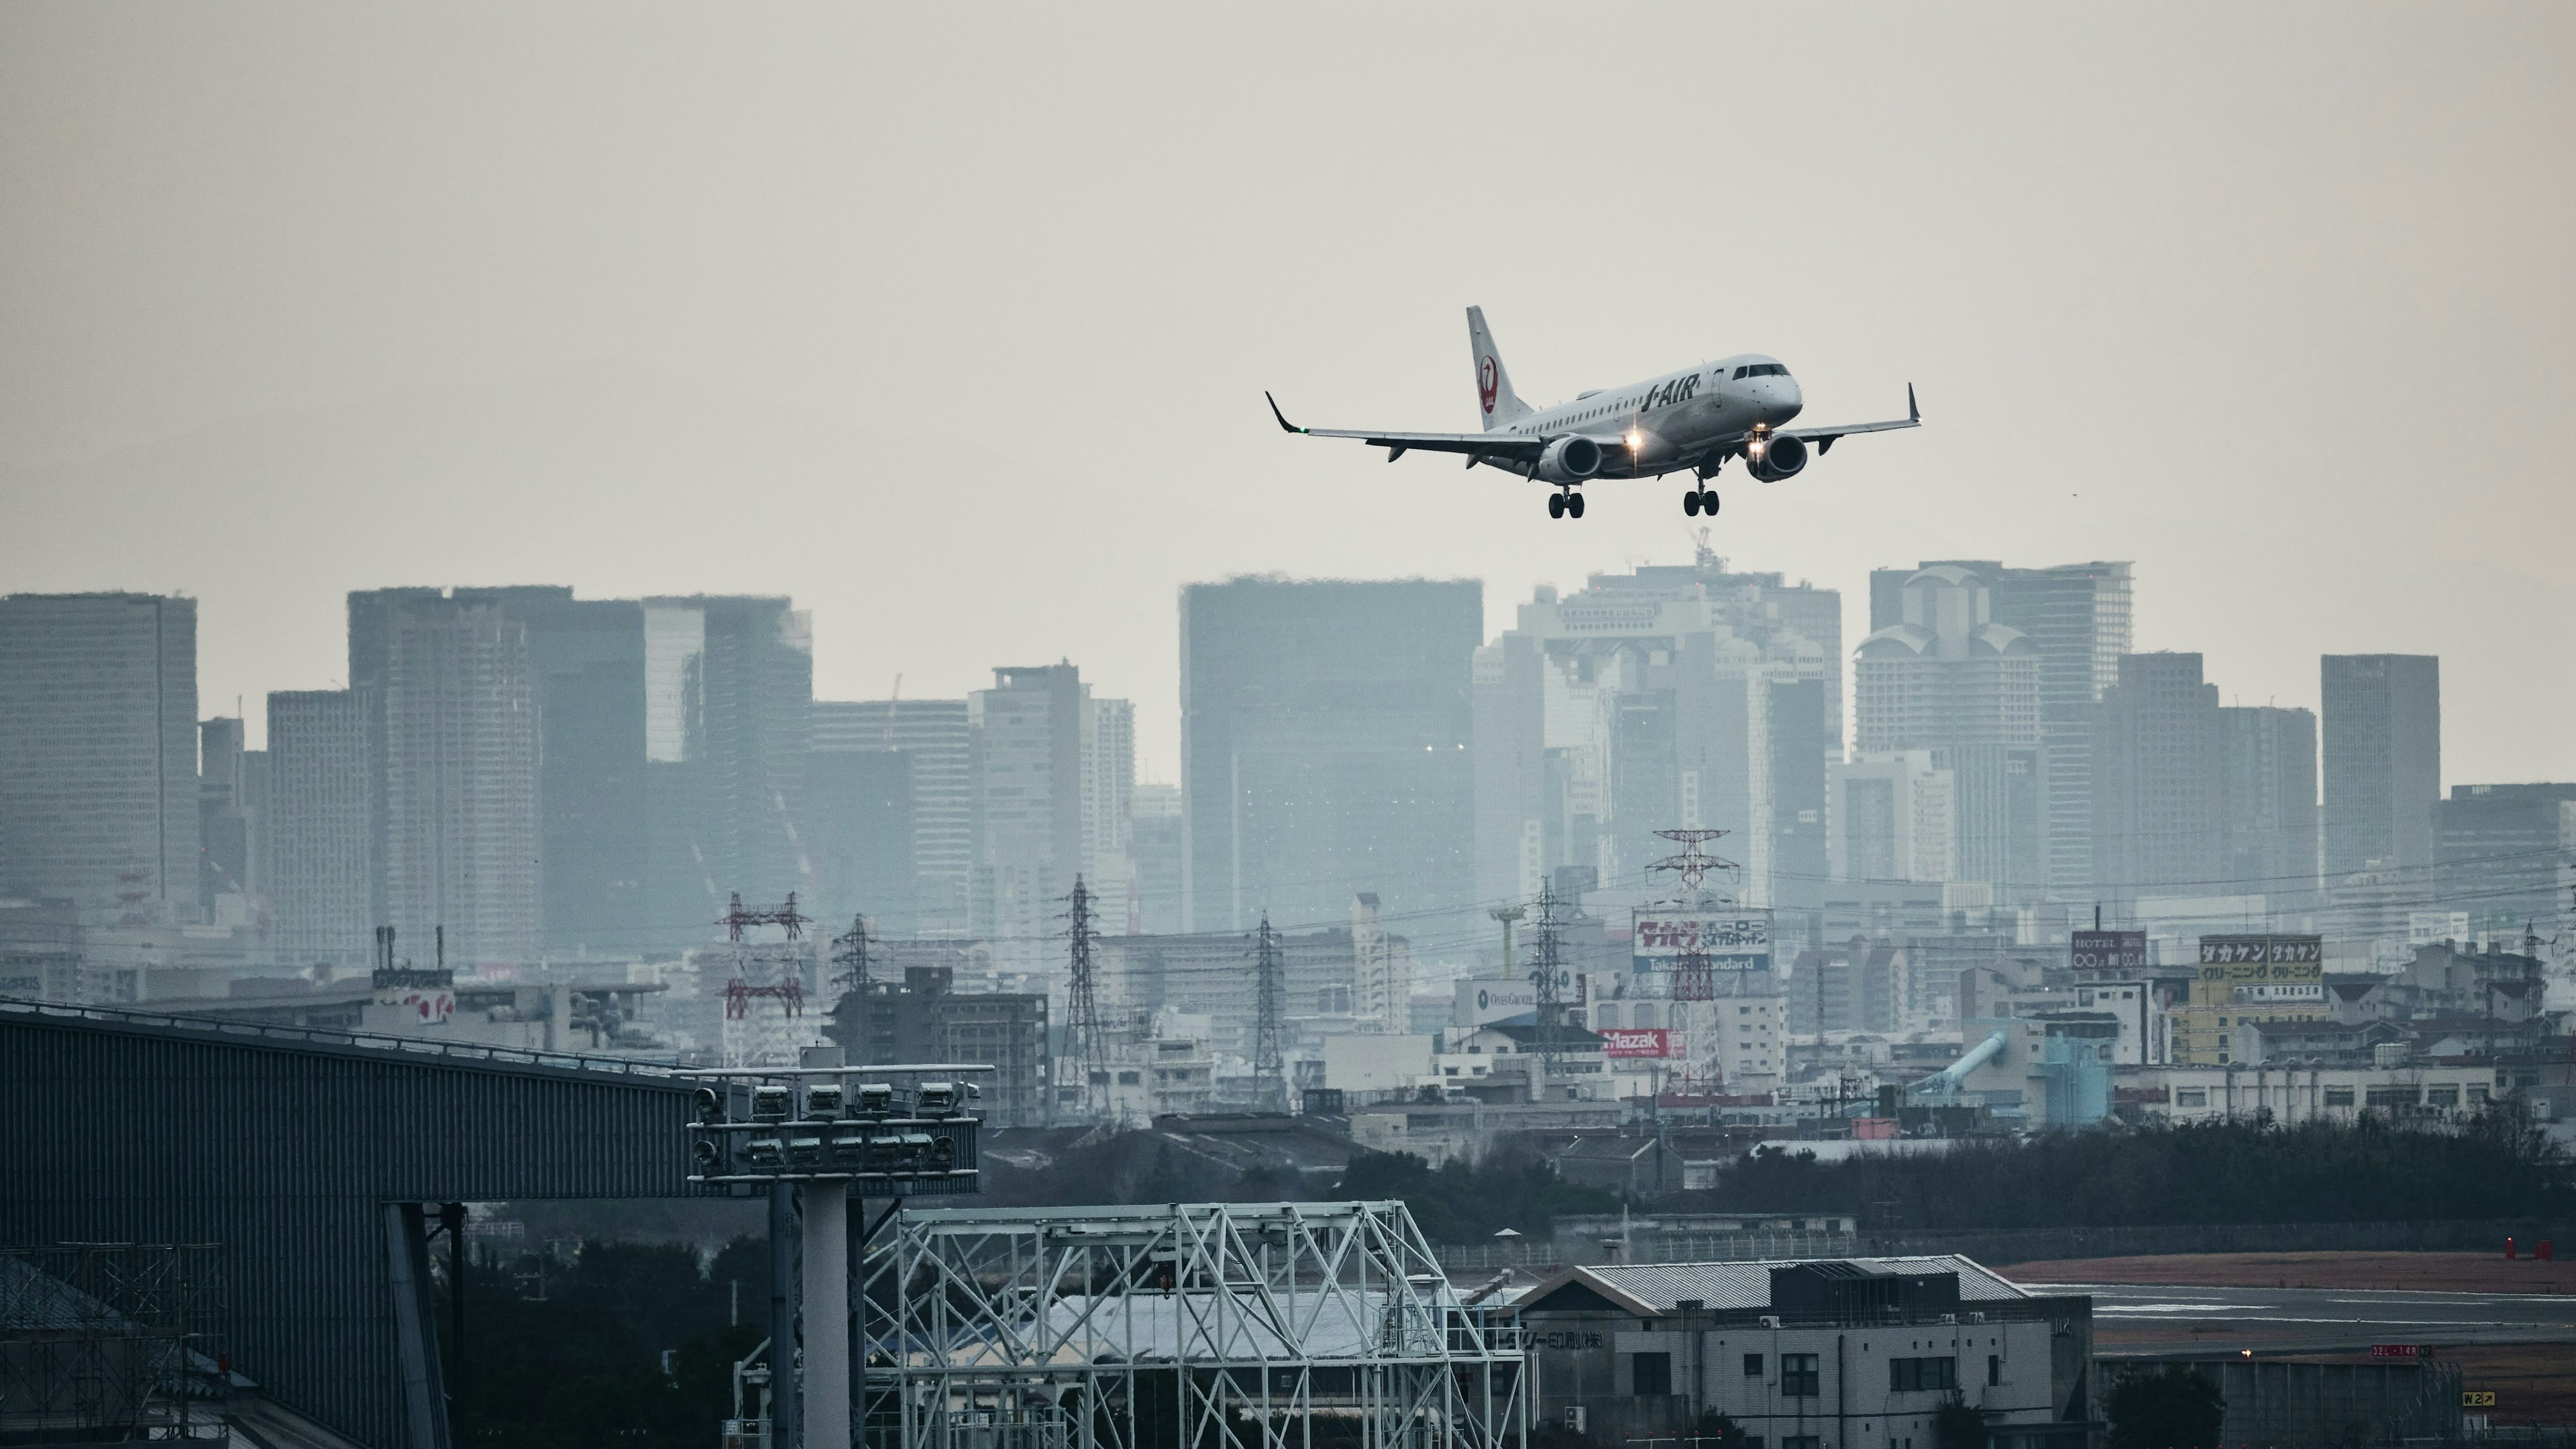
(1671, 422)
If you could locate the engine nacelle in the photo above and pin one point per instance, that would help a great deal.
(1774, 458)
(1569, 459)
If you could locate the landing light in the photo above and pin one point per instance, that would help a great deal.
(1754, 449)
(1635, 440)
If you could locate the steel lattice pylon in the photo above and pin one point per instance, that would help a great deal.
(1189, 1326)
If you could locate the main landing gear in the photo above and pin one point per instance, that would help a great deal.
(1565, 504)
(1700, 500)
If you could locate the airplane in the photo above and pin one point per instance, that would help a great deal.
(1694, 420)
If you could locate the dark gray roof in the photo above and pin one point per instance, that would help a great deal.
(1721, 1287)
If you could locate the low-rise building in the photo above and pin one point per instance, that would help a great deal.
(923, 1019)
(1852, 1353)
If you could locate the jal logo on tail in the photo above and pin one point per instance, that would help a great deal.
(1488, 376)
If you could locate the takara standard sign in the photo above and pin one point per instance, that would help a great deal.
(1731, 940)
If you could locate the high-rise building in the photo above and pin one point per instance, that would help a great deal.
(1669, 697)
(2157, 780)
(2383, 760)
(227, 849)
(2268, 804)
(2505, 855)
(98, 754)
(2078, 617)
(1029, 797)
(1154, 841)
(1325, 729)
(858, 830)
(457, 700)
(586, 670)
(728, 722)
(1948, 679)
(321, 841)
(1892, 818)
(1108, 796)
(933, 736)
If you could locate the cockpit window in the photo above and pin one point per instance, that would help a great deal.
(1761, 369)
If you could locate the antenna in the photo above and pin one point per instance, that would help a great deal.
(1269, 1004)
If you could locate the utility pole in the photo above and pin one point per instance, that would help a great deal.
(1269, 1005)
(1082, 1004)
(1544, 965)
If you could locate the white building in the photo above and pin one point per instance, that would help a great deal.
(1891, 816)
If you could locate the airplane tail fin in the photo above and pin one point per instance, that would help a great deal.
(1493, 385)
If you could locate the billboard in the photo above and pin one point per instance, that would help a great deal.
(2110, 951)
(1730, 940)
(2261, 950)
(1635, 1041)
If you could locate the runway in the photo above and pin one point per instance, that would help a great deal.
(2132, 1317)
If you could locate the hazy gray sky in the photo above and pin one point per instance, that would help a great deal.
(953, 321)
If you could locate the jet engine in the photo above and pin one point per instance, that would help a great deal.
(1774, 458)
(1569, 459)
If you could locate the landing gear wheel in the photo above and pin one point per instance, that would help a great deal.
(1690, 503)
(1708, 501)
(1556, 505)
(1574, 505)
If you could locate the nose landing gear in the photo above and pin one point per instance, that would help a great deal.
(1565, 503)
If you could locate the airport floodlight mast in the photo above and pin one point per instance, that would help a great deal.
(1270, 992)
(1082, 1004)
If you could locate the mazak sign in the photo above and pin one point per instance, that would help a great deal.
(1635, 1041)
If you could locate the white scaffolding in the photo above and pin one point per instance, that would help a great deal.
(1188, 1326)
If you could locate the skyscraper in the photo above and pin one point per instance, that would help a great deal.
(98, 754)
(2157, 780)
(2383, 760)
(728, 721)
(320, 865)
(1948, 679)
(2268, 803)
(1325, 730)
(1892, 818)
(2078, 618)
(933, 736)
(1672, 696)
(2506, 856)
(460, 771)
(586, 672)
(1028, 735)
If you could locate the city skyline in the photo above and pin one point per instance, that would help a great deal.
(395, 348)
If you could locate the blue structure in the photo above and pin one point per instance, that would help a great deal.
(317, 1159)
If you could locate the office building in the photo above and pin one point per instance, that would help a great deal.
(1154, 843)
(2078, 618)
(1947, 679)
(2268, 804)
(728, 720)
(2156, 780)
(2505, 857)
(1891, 818)
(456, 711)
(1669, 697)
(321, 843)
(937, 743)
(586, 676)
(922, 1017)
(1325, 747)
(2382, 721)
(229, 783)
(858, 836)
(1032, 818)
(98, 754)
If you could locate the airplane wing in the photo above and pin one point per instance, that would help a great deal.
(1824, 438)
(1487, 445)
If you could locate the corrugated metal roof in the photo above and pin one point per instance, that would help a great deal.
(1723, 1286)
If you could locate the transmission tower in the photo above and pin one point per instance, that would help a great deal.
(851, 954)
(1693, 980)
(1545, 962)
(1269, 1004)
(1082, 1003)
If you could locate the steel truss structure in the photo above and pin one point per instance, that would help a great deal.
(110, 1342)
(1189, 1326)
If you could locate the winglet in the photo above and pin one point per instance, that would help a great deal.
(1912, 412)
(1282, 417)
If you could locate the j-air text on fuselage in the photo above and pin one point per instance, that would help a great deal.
(1689, 421)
